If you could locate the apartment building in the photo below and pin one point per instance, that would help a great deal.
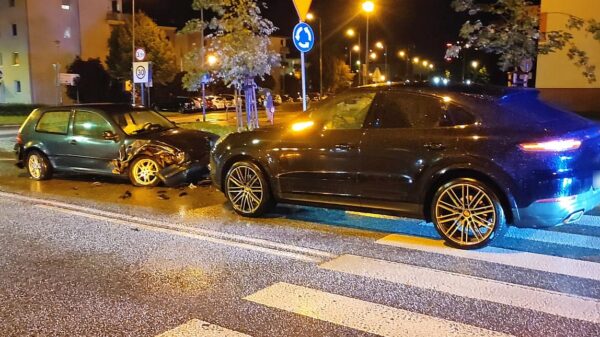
(39, 38)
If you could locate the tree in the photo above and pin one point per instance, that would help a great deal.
(337, 74)
(93, 84)
(512, 32)
(240, 42)
(149, 36)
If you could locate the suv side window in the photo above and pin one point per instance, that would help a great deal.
(56, 122)
(346, 112)
(455, 115)
(91, 125)
(404, 110)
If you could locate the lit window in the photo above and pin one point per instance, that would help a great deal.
(67, 34)
(18, 86)
(14, 29)
(66, 5)
(11, 3)
(16, 60)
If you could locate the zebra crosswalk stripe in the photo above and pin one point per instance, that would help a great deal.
(508, 257)
(198, 328)
(550, 302)
(361, 315)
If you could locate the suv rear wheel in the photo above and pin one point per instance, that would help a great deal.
(38, 166)
(467, 213)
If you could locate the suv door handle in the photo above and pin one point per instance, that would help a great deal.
(73, 142)
(344, 147)
(435, 146)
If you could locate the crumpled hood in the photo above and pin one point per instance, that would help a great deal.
(195, 143)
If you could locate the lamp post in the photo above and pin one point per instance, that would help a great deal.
(381, 45)
(132, 49)
(368, 7)
(311, 17)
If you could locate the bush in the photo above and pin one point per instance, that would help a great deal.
(17, 109)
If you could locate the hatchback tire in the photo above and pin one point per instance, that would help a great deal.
(248, 190)
(467, 214)
(143, 172)
(38, 166)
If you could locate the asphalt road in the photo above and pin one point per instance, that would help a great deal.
(80, 256)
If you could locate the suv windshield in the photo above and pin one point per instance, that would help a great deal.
(140, 121)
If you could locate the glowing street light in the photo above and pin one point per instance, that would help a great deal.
(379, 45)
(373, 56)
(431, 66)
(310, 16)
(425, 63)
(368, 6)
(416, 60)
(211, 60)
(356, 48)
(402, 54)
(475, 64)
(351, 32)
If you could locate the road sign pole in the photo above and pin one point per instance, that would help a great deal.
(304, 105)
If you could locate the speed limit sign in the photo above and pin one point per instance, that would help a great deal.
(141, 72)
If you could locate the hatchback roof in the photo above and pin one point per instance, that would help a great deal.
(111, 108)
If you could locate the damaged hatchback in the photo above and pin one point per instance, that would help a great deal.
(112, 139)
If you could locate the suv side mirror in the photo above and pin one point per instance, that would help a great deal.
(109, 135)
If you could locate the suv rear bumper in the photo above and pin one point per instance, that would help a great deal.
(559, 211)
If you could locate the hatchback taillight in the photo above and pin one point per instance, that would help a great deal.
(559, 145)
(19, 139)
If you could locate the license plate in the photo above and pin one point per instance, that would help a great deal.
(597, 179)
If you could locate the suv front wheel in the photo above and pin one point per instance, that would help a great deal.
(247, 189)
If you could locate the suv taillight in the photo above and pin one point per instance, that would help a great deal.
(560, 145)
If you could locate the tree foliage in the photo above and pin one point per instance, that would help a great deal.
(512, 31)
(93, 84)
(240, 41)
(149, 36)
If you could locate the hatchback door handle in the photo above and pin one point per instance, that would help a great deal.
(344, 147)
(435, 146)
(73, 142)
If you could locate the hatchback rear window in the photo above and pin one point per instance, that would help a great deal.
(54, 122)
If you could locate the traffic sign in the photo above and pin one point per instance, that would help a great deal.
(140, 54)
(141, 72)
(526, 65)
(304, 37)
(302, 7)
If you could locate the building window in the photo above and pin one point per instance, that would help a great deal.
(11, 3)
(16, 60)
(116, 8)
(18, 86)
(14, 29)
(66, 5)
(67, 34)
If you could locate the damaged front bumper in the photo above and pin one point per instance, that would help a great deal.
(182, 174)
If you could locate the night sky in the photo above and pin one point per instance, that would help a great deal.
(426, 25)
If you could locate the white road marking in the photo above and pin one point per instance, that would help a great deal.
(589, 221)
(276, 246)
(186, 234)
(550, 302)
(513, 258)
(7, 159)
(198, 328)
(361, 315)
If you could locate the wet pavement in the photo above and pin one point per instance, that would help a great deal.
(88, 256)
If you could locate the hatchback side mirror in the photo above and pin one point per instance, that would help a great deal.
(109, 135)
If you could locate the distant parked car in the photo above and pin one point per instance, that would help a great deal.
(470, 159)
(287, 99)
(277, 100)
(229, 101)
(112, 139)
(179, 103)
(216, 102)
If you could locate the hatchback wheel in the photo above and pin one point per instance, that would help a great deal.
(247, 190)
(143, 172)
(467, 214)
(38, 166)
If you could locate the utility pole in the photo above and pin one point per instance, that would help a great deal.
(132, 50)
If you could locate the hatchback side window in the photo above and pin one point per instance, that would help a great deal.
(346, 112)
(91, 125)
(54, 122)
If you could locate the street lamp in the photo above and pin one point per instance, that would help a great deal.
(351, 32)
(373, 56)
(402, 54)
(475, 64)
(311, 17)
(416, 60)
(368, 7)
